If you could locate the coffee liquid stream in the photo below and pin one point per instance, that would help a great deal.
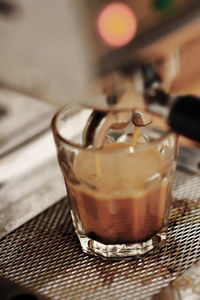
(126, 196)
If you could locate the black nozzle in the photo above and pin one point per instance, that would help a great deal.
(184, 116)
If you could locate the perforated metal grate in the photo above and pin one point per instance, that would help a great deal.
(44, 254)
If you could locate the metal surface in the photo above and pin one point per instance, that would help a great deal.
(12, 291)
(21, 119)
(44, 254)
(30, 183)
(189, 157)
(30, 179)
(184, 287)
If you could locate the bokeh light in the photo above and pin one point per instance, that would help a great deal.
(117, 24)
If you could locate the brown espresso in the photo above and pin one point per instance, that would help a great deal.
(127, 201)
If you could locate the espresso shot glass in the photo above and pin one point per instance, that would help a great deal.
(120, 192)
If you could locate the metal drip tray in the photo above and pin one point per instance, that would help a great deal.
(44, 254)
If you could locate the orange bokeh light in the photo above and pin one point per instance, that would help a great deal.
(117, 24)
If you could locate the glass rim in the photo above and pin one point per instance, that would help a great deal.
(108, 150)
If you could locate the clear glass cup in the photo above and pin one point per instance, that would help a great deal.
(119, 194)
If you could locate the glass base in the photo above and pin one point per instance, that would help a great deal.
(117, 251)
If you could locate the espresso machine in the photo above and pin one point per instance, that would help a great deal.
(75, 52)
(60, 52)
